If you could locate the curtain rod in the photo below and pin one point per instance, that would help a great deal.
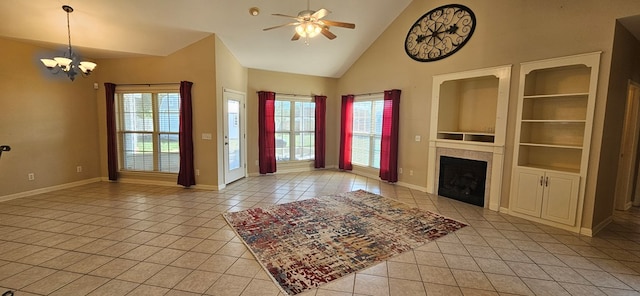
(147, 84)
(369, 94)
(294, 95)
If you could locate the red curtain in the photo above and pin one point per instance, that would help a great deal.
(186, 175)
(266, 132)
(321, 109)
(112, 144)
(346, 132)
(389, 142)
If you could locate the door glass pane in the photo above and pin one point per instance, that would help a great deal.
(233, 115)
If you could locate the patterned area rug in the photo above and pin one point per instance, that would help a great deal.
(306, 243)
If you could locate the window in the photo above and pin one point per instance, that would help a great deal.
(295, 129)
(148, 126)
(367, 132)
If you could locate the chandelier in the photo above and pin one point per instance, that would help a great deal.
(69, 63)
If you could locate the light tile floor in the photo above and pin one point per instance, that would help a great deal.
(128, 239)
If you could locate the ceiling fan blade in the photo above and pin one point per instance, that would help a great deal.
(280, 26)
(320, 13)
(295, 37)
(339, 24)
(328, 34)
(284, 15)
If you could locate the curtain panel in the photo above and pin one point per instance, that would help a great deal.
(389, 141)
(112, 144)
(186, 174)
(266, 132)
(320, 132)
(346, 133)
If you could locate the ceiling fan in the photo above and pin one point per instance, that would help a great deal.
(310, 23)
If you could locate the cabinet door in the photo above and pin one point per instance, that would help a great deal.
(560, 198)
(528, 196)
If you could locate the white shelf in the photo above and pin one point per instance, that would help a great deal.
(559, 121)
(550, 168)
(556, 96)
(467, 136)
(551, 146)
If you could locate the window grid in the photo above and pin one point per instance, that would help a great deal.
(295, 130)
(367, 132)
(149, 131)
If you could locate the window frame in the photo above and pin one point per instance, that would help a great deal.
(374, 139)
(292, 129)
(155, 133)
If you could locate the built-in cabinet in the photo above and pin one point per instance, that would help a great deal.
(553, 134)
(547, 194)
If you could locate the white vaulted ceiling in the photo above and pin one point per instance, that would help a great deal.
(125, 28)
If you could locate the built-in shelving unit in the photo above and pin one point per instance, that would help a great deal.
(467, 106)
(553, 133)
(469, 115)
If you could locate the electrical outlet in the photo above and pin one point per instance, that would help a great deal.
(410, 172)
(79, 169)
(400, 170)
(31, 176)
(197, 172)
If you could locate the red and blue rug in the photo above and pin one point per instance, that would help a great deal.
(307, 243)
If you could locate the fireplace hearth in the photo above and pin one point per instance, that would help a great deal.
(463, 179)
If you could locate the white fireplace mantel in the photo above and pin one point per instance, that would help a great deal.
(480, 138)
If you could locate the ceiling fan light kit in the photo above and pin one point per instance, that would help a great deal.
(310, 23)
(69, 63)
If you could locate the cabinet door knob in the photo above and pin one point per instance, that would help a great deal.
(541, 178)
(546, 181)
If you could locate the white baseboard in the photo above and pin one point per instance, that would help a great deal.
(48, 189)
(411, 186)
(597, 228)
(628, 205)
(160, 183)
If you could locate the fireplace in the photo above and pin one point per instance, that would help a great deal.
(463, 179)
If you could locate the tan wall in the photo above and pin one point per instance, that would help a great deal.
(40, 117)
(195, 63)
(625, 66)
(48, 121)
(291, 84)
(229, 75)
(508, 32)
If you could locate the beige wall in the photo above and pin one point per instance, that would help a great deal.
(291, 84)
(41, 116)
(48, 121)
(229, 75)
(507, 32)
(625, 66)
(195, 63)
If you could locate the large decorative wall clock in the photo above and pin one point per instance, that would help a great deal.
(440, 33)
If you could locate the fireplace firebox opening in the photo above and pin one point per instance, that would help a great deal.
(463, 179)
